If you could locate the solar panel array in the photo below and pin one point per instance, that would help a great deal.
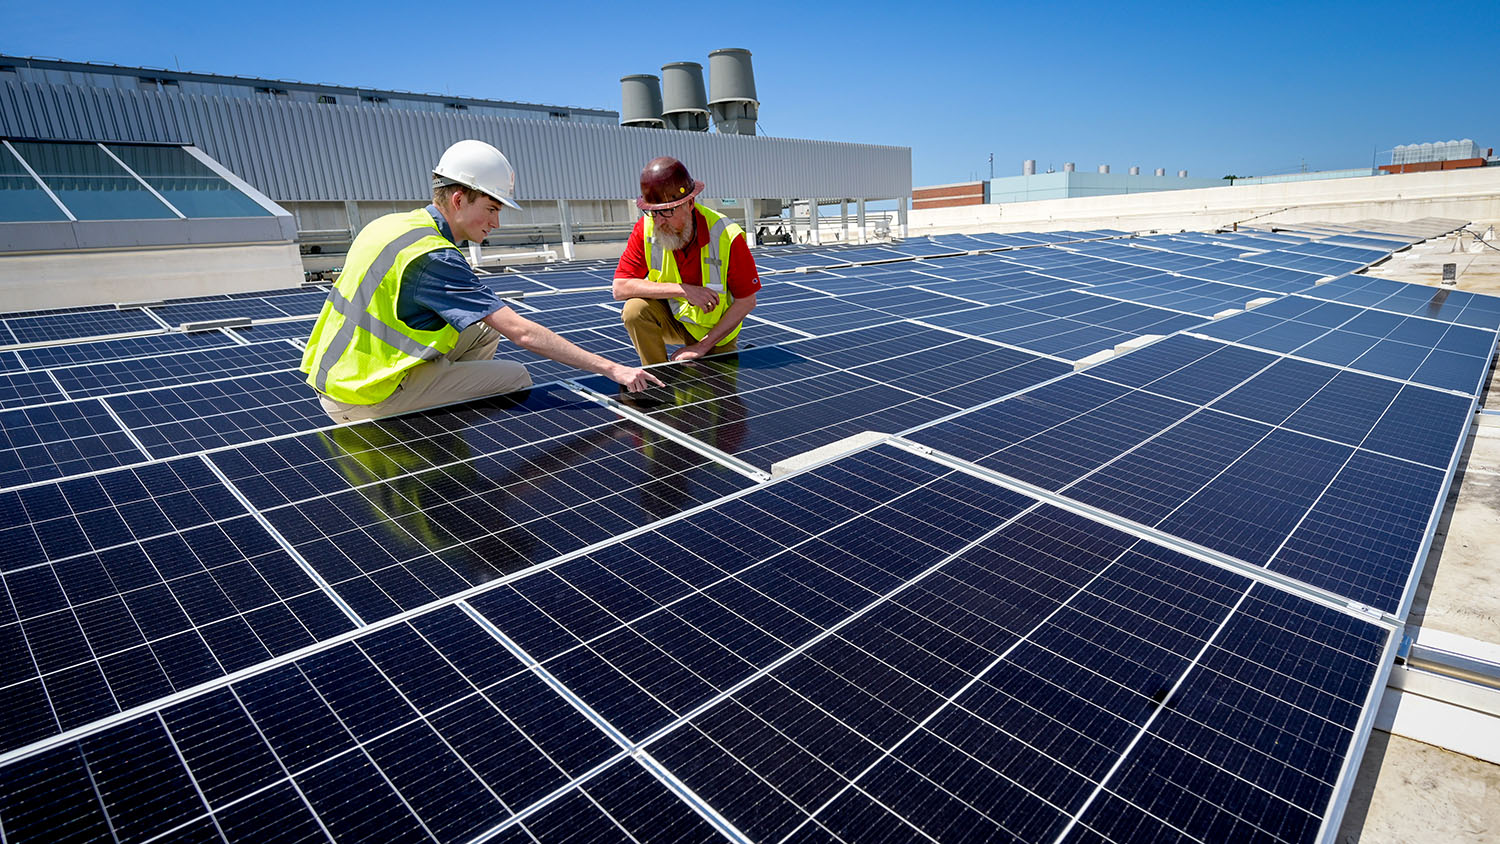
(1153, 597)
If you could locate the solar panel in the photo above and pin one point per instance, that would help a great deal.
(1448, 357)
(580, 627)
(827, 662)
(181, 420)
(102, 379)
(717, 401)
(205, 311)
(394, 519)
(71, 326)
(48, 441)
(19, 389)
(127, 586)
(1339, 454)
(46, 357)
(298, 330)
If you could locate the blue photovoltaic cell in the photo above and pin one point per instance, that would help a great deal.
(75, 325)
(18, 389)
(182, 420)
(125, 587)
(54, 440)
(991, 687)
(11, 362)
(389, 540)
(1257, 276)
(298, 330)
(102, 379)
(1250, 509)
(204, 311)
(1363, 538)
(46, 357)
(307, 303)
(723, 402)
(821, 316)
(380, 739)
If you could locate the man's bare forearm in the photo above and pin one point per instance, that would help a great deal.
(541, 340)
(640, 288)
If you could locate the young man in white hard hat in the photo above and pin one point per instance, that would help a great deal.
(409, 325)
(686, 274)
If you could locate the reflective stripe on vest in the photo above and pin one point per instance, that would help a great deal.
(373, 370)
(661, 266)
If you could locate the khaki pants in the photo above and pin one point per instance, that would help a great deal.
(467, 372)
(652, 326)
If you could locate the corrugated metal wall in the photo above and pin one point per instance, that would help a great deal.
(302, 152)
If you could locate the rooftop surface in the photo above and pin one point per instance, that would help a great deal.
(872, 342)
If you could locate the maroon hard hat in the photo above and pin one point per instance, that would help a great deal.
(665, 183)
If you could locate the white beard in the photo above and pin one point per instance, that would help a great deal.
(671, 241)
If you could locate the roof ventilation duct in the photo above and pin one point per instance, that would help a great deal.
(684, 103)
(1104, 169)
(1028, 167)
(732, 85)
(640, 101)
(1135, 171)
(1068, 167)
(1160, 171)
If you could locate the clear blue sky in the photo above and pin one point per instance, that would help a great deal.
(1214, 88)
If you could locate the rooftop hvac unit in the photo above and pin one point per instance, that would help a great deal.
(732, 87)
(640, 101)
(684, 103)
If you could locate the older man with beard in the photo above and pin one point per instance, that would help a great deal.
(686, 276)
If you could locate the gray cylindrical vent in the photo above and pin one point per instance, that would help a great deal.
(640, 101)
(684, 102)
(1068, 167)
(1028, 167)
(732, 99)
(1182, 174)
(1161, 171)
(1104, 169)
(1135, 171)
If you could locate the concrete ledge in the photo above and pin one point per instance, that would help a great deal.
(61, 280)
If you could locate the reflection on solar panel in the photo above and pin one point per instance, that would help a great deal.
(394, 519)
(578, 614)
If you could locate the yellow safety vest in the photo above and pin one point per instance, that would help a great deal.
(359, 349)
(661, 266)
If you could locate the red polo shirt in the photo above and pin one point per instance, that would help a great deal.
(743, 278)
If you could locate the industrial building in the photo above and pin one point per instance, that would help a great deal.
(334, 158)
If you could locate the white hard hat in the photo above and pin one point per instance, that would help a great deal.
(477, 165)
